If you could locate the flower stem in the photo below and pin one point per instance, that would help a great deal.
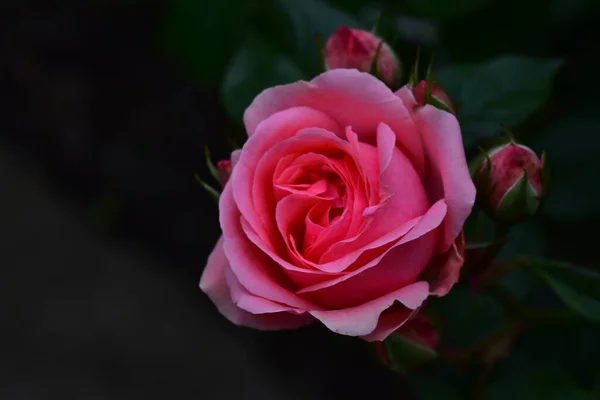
(481, 269)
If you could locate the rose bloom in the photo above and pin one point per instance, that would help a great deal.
(345, 206)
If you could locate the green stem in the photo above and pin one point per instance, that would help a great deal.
(480, 269)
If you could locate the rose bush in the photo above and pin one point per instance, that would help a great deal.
(345, 206)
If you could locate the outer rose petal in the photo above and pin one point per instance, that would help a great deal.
(389, 321)
(214, 284)
(350, 97)
(398, 265)
(445, 268)
(254, 269)
(447, 172)
(362, 320)
(235, 157)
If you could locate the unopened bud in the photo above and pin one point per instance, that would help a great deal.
(437, 96)
(355, 48)
(224, 168)
(509, 181)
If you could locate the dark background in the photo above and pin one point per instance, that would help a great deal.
(106, 109)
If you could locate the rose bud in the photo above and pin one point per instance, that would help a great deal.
(437, 95)
(355, 48)
(509, 181)
(224, 168)
(412, 345)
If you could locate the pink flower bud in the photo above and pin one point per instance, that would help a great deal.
(224, 168)
(510, 189)
(437, 94)
(355, 48)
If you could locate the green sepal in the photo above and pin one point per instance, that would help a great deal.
(413, 79)
(212, 192)
(482, 159)
(373, 69)
(214, 172)
(429, 99)
(376, 24)
(509, 134)
(518, 202)
(406, 355)
(476, 163)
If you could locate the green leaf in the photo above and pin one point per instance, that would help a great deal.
(437, 384)
(535, 384)
(443, 9)
(505, 90)
(578, 287)
(573, 155)
(467, 317)
(202, 36)
(212, 192)
(310, 18)
(405, 354)
(255, 67)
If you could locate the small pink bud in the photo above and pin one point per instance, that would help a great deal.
(355, 48)
(437, 94)
(510, 189)
(224, 168)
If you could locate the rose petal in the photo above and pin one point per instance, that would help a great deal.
(245, 300)
(307, 140)
(362, 320)
(418, 253)
(397, 266)
(271, 131)
(214, 284)
(406, 198)
(389, 321)
(235, 157)
(445, 268)
(350, 97)
(258, 273)
(447, 174)
(263, 198)
(299, 275)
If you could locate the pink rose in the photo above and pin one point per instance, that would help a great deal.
(355, 48)
(345, 206)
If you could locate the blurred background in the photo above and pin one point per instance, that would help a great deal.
(104, 233)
